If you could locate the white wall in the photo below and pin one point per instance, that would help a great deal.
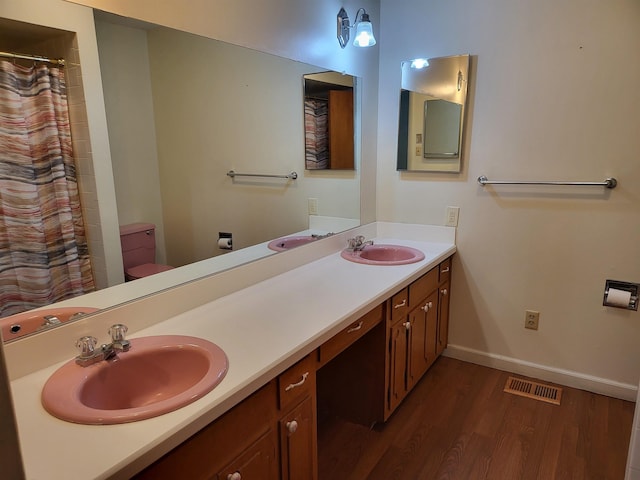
(554, 96)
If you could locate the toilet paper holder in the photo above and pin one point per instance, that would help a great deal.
(624, 286)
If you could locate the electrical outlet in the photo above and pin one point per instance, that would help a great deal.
(531, 319)
(312, 204)
(452, 216)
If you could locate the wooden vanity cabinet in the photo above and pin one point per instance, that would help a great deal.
(444, 289)
(243, 442)
(363, 373)
(271, 435)
(417, 327)
(297, 421)
(256, 461)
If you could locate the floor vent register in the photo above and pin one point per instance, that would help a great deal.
(535, 390)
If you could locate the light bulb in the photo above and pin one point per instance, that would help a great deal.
(364, 33)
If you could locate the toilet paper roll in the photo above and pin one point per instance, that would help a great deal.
(618, 298)
(224, 243)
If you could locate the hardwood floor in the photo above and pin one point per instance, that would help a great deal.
(459, 424)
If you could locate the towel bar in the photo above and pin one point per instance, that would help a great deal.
(290, 176)
(609, 182)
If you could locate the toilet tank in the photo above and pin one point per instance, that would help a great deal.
(138, 242)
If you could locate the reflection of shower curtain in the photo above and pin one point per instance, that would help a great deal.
(316, 134)
(43, 250)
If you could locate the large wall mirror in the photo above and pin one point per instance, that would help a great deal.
(182, 111)
(432, 112)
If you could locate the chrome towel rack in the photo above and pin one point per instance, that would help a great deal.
(290, 176)
(609, 182)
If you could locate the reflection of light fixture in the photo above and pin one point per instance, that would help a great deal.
(419, 63)
(460, 80)
(364, 32)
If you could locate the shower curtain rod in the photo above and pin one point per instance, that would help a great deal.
(36, 58)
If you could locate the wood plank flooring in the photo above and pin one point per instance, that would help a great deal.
(458, 424)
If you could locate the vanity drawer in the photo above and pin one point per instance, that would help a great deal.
(297, 382)
(399, 304)
(445, 270)
(422, 288)
(341, 341)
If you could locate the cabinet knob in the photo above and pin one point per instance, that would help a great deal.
(427, 306)
(234, 476)
(445, 270)
(292, 426)
(401, 304)
(407, 325)
(444, 291)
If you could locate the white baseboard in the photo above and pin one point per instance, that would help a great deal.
(568, 378)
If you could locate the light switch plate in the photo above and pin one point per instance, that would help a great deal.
(452, 216)
(312, 204)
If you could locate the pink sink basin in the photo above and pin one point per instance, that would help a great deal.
(25, 323)
(380, 254)
(157, 375)
(285, 243)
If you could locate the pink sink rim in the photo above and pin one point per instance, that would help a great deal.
(30, 321)
(285, 243)
(397, 255)
(62, 395)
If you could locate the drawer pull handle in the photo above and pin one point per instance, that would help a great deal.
(234, 476)
(407, 325)
(427, 306)
(291, 386)
(445, 270)
(356, 328)
(292, 426)
(402, 304)
(444, 291)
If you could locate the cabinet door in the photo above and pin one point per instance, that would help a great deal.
(398, 363)
(422, 338)
(298, 443)
(257, 462)
(443, 317)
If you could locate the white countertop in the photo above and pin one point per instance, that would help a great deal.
(263, 329)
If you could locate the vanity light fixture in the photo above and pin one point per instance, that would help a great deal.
(419, 63)
(364, 31)
(461, 80)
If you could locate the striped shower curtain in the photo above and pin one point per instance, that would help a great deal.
(44, 256)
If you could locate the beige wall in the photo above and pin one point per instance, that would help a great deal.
(554, 96)
(300, 31)
(126, 81)
(219, 107)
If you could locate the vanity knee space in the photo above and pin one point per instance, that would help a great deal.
(369, 378)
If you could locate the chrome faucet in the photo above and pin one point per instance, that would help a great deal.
(89, 354)
(49, 321)
(358, 243)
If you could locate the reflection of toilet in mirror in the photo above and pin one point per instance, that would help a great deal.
(138, 242)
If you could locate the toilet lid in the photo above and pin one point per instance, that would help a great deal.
(147, 269)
